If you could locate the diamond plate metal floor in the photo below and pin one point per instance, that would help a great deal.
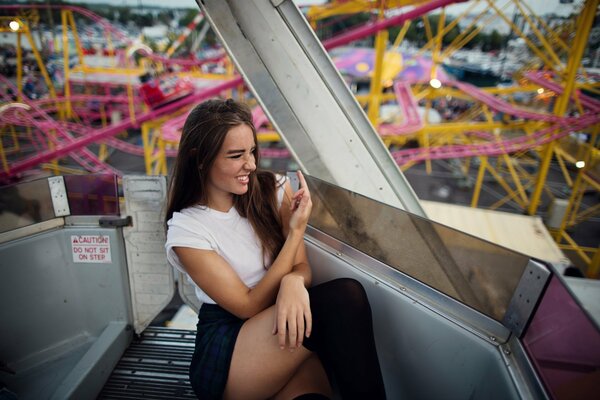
(155, 366)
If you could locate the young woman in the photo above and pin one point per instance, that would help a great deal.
(237, 233)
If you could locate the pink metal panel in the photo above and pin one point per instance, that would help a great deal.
(564, 345)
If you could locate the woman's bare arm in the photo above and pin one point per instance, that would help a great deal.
(301, 267)
(293, 317)
(221, 283)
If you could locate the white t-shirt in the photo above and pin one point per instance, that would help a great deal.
(227, 233)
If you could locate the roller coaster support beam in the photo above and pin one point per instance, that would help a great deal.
(66, 66)
(577, 191)
(594, 268)
(19, 68)
(584, 26)
(375, 91)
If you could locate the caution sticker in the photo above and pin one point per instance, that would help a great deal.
(91, 248)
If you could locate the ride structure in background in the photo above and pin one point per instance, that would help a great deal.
(509, 134)
(98, 96)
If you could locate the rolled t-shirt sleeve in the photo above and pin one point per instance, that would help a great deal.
(185, 231)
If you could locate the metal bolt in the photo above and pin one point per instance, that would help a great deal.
(506, 351)
(492, 338)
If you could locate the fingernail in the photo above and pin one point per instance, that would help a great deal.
(281, 347)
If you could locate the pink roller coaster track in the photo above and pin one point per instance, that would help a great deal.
(494, 148)
(45, 123)
(586, 101)
(412, 120)
(560, 127)
(182, 61)
(75, 147)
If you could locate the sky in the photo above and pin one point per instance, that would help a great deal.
(539, 6)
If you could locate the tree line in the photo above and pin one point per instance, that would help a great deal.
(416, 33)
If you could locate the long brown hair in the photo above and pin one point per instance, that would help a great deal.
(203, 135)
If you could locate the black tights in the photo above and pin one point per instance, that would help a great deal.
(342, 337)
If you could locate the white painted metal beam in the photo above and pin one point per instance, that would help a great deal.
(306, 99)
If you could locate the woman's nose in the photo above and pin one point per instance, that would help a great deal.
(250, 164)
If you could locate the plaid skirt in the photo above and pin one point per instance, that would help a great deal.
(217, 331)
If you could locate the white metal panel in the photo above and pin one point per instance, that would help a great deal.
(588, 293)
(150, 276)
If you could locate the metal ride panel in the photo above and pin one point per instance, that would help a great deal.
(150, 276)
(187, 292)
(291, 75)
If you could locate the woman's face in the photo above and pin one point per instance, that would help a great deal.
(231, 169)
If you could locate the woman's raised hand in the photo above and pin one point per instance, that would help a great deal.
(301, 206)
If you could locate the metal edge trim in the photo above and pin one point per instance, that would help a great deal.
(31, 229)
(522, 371)
(453, 310)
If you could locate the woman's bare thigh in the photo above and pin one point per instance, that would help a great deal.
(259, 368)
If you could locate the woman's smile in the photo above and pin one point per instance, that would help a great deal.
(243, 179)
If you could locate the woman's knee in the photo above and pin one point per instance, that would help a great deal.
(347, 291)
(351, 288)
(340, 299)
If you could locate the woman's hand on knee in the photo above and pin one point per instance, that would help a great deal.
(293, 318)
